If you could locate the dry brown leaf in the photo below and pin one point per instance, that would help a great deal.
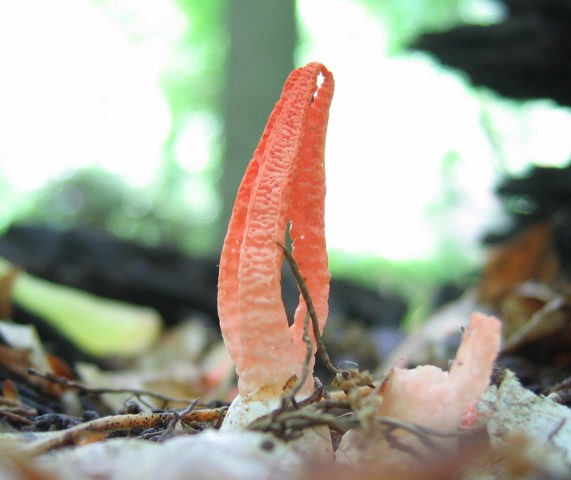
(528, 256)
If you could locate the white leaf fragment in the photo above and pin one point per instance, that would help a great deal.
(511, 409)
(207, 455)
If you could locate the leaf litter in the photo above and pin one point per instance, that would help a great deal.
(54, 421)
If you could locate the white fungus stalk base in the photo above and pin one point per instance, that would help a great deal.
(314, 443)
(244, 410)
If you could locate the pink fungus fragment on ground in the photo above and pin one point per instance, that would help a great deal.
(433, 398)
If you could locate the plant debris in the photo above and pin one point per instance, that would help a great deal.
(352, 406)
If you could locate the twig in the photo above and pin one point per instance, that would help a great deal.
(289, 424)
(341, 395)
(16, 416)
(290, 398)
(556, 430)
(177, 418)
(422, 433)
(346, 379)
(396, 443)
(104, 390)
(310, 309)
(114, 423)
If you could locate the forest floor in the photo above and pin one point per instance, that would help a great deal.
(157, 412)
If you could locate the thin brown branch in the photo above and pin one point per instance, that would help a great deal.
(15, 416)
(81, 388)
(310, 309)
(290, 398)
(129, 422)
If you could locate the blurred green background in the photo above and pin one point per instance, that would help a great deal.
(140, 117)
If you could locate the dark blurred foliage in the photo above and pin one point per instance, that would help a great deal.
(541, 195)
(100, 200)
(526, 56)
(177, 285)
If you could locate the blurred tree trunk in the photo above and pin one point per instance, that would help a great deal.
(263, 37)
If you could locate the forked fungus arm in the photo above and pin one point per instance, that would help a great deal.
(284, 182)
